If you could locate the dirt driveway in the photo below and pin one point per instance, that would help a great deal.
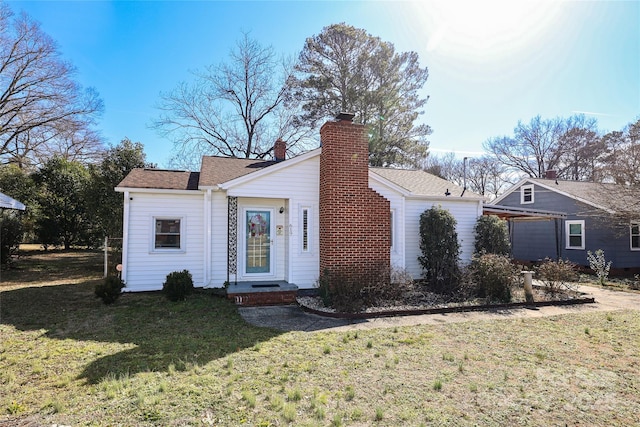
(293, 318)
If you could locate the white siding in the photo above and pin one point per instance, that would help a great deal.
(294, 188)
(146, 269)
(219, 237)
(466, 215)
(397, 203)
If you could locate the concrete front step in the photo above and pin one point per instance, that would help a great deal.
(273, 292)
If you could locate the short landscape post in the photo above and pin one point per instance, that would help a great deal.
(528, 285)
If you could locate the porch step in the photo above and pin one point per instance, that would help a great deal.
(262, 293)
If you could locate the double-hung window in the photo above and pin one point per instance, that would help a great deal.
(635, 236)
(526, 194)
(167, 234)
(574, 233)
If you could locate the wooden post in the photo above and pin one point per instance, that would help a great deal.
(528, 286)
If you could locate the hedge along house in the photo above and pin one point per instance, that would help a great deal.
(276, 225)
(585, 225)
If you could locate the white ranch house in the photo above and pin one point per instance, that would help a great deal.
(241, 220)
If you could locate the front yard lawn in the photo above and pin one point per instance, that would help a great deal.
(65, 358)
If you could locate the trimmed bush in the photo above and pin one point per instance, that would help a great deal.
(494, 276)
(109, 289)
(440, 250)
(557, 275)
(178, 285)
(492, 235)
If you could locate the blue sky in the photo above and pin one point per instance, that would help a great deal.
(490, 63)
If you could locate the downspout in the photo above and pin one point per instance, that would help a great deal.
(125, 238)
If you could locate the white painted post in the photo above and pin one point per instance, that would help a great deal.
(528, 285)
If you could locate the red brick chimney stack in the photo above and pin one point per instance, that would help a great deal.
(279, 150)
(355, 228)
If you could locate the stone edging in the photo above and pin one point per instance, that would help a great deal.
(442, 310)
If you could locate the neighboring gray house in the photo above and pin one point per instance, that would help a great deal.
(587, 226)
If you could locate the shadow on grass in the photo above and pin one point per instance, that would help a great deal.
(160, 334)
(55, 264)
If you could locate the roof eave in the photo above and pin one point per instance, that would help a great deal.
(155, 190)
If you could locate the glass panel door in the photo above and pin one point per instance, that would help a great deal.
(258, 241)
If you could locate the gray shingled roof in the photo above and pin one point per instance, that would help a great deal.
(217, 170)
(421, 183)
(592, 192)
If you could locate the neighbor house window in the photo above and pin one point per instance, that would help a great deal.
(167, 233)
(575, 234)
(635, 236)
(526, 194)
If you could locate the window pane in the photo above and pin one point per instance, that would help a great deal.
(635, 229)
(635, 242)
(575, 229)
(575, 241)
(167, 241)
(167, 233)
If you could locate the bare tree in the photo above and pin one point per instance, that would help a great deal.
(570, 146)
(38, 95)
(486, 176)
(232, 109)
(446, 166)
(533, 147)
(483, 175)
(623, 155)
(581, 150)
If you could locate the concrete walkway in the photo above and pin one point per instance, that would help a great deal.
(293, 318)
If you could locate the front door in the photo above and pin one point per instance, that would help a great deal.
(258, 243)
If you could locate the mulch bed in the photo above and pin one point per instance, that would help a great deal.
(541, 299)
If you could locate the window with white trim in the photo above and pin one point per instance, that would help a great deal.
(634, 231)
(526, 194)
(574, 231)
(167, 234)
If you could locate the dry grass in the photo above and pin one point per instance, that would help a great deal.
(68, 359)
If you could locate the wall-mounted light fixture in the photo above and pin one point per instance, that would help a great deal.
(281, 209)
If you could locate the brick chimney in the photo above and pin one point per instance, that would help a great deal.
(279, 150)
(550, 174)
(355, 225)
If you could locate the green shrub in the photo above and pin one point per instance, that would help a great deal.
(557, 275)
(178, 285)
(494, 276)
(492, 236)
(109, 289)
(11, 231)
(440, 250)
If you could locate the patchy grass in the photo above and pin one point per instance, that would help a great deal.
(66, 358)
